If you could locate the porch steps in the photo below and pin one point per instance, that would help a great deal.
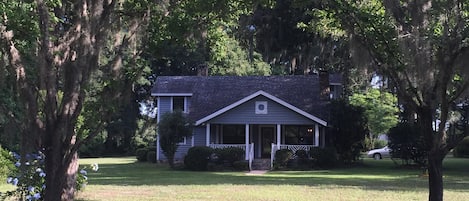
(261, 164)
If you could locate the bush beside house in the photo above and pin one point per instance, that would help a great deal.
(201, 158)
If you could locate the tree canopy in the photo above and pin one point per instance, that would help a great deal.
(381, 110)
(421, 47)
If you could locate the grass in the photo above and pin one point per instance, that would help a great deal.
(125, 179)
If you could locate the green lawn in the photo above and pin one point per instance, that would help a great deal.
(124, 179)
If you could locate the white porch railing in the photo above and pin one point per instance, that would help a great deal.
(223, 146)
(296, 147)
(292, 147)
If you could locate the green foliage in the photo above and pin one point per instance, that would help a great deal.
(6, 164)
(197, 158)
(380, 110)
(172, 128)
(407, 144)
(94, 148)
(282, 157)
(229, 58)
(141, 154)
(462, 150)
(241, 165)
(301, 154)
(145, 135)
(348, 130)
(151, 156)
(324, 157)
(380, 143)
(29, 180)
(230, 155)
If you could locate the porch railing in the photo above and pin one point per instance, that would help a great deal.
(292, 147)
(296, 147)
(223, 146)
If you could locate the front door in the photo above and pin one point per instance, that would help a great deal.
(267, 138)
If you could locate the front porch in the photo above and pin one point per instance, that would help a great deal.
(261, 141)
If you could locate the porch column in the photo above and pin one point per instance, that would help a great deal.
(207, 135)
(279, 130)
(316, 135)
(157, 148)
(247, 141)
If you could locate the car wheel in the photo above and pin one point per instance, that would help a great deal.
(377, 156)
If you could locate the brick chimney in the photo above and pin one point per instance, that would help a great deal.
(324, 89)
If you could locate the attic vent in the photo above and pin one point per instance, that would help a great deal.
(261, 107)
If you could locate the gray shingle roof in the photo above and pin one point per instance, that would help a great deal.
(213, 93)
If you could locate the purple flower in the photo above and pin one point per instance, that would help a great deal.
(9, 180)
(42, 174)
(31, 188)
(37, 196)
(16, 155)
(83, 172)
(15, 181)
(17, 164)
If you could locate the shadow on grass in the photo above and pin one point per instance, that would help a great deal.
(374, 175)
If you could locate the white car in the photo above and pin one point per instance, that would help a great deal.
(378, 154)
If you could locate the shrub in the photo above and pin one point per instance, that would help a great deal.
(407, 144)
(282, 157)
(229, 155)
(141, 154)
(348, 130)
(197, 158)
(301, 154)
(151, 156)
(324, 157)
(6, 163)
(93, 148)
(241, 165)
(380, 144)
(462, 150)
(29, 178)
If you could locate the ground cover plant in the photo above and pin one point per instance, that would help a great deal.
(126, 179)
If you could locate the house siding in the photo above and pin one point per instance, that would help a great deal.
(165, 106)
(199, 136)
(276, 114)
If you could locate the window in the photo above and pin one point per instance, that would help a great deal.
(233, 134)
(299, 135)
(183, 142)
(179, 103)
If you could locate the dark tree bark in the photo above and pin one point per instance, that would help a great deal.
(68, 48)
(424, 56)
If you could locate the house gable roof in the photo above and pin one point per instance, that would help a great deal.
(267, 95)
(210, 94)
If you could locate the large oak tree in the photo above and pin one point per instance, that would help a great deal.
(421, 46)
(53, 61)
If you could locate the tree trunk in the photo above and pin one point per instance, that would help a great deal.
(435, 176)
(61, 175)
(435, 154)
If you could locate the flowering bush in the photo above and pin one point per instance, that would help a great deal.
(29, 178)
